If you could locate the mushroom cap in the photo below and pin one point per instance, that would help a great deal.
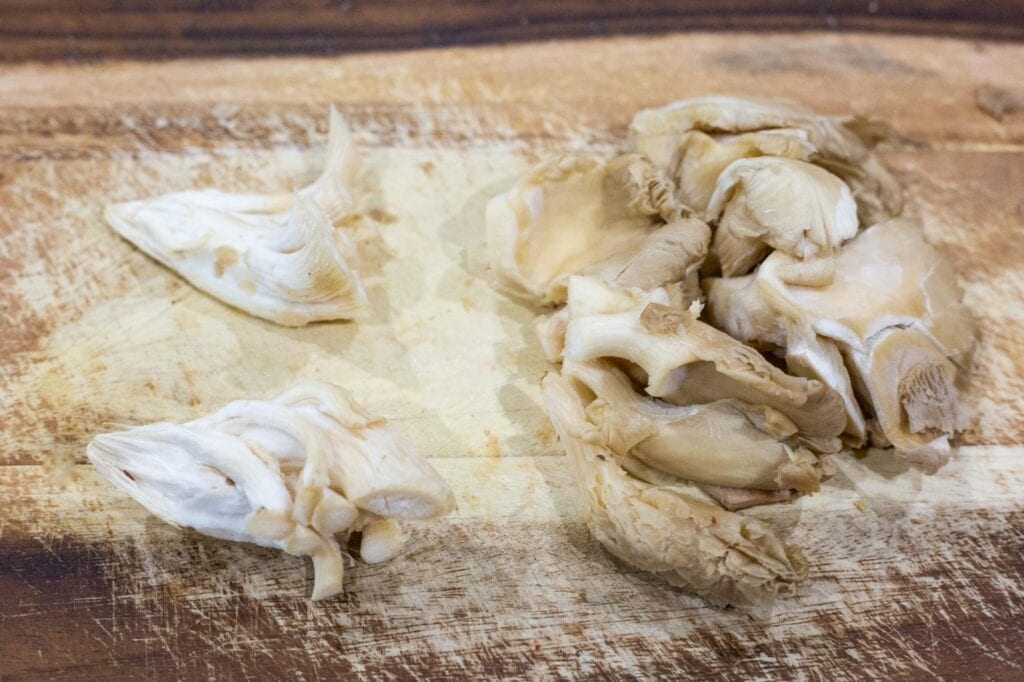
(676, 532)
(571, 214)
(838, 143)
(791, 206)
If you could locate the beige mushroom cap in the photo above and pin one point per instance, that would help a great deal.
(572, 214)
(274, 256)
(893, 309)
(676, 532)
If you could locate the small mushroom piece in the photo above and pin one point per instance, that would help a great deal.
(571, 214)
(838, 143)
(551, 333)
(686, 361)
(274, 256)
(702, 157)
(894, 313)
(788, 205)
(290, 473)
(382, 540)
(669, 257)
(676, 532)
(724, 443)
(911, 386)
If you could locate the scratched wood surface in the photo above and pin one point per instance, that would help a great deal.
(911, 576)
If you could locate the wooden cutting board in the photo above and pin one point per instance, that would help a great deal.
(911, 576)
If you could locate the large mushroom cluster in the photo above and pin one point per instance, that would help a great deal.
(731, 303)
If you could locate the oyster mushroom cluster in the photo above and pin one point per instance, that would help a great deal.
(296, 473)
(274, 256)
(730, 304)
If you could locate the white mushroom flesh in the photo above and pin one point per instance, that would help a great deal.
(832, 142)
(290, 473)
(274, 256)
(701, 158)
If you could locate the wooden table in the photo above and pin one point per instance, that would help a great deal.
(911, 576)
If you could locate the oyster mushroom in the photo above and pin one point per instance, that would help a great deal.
(733, 499)
(290, 473)
(669, 257)
(274, 256)
(893, 315)
(836, 142)
(687, 361)
(736, 306)
(573, 214)
(701, 157)
(674, 531)
(773, 203)
(726, 443)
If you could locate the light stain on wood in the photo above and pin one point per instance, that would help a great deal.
(910, 575)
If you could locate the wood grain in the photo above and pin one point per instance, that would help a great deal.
(91, 29)
(924, 581)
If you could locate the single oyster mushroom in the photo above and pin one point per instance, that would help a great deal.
(737, 306)
(290, 473)
(669, 257)
(676, 532)
(894, 312)
(772, 203)
(838, 143)
(725, 443)
(701, 157)
(572, 214)
(274, 256)
(688, 362)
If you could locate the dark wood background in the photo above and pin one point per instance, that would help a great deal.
(140, 29)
